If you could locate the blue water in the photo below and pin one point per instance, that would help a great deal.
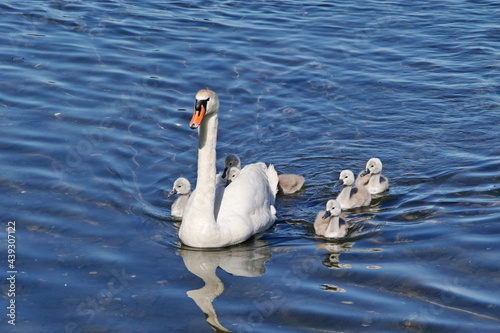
(95, 102)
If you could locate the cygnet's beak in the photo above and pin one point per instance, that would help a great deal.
(364, 173)
(174, 191)
(327, 214)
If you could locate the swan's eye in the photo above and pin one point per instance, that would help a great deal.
(201, 104)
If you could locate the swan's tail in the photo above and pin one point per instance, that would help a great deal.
(273, 213)
(272, 176)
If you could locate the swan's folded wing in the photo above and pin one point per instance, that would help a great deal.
(246, 204)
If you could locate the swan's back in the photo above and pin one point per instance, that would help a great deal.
(362, 179)
(290, 183)
(246, 206)
(358, 197)
(354, 197)
(321, 224)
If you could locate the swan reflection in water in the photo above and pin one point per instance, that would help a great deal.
(246, 259)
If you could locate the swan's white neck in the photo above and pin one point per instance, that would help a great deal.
(345, 194)
(333, 225)
(205, 184)
(198, 227)
(375, 179)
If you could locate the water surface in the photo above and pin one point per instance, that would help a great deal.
(94, 109)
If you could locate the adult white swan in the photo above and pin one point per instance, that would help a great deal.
(246, 207)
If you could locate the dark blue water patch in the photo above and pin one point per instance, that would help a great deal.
(96, 102)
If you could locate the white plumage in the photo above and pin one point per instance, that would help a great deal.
(350, 196)
(378, 183)
(182, 187)
(246, 205)
(328, 223)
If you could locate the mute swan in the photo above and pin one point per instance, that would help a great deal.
(182, 186)
(287, 183)
(328, 223)
(378, 183)
(230, 161)
(246, 207)
(232, 173)
(352, 197)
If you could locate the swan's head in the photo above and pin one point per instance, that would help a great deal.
(231, 161)
(373, 166)
(181, 186)
(232, 173)
(332, 209)
(346, 178)
(206, 103)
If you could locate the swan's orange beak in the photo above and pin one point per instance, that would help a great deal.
(199, 113)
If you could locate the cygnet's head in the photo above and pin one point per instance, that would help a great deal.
(232, 173)
(181, 186)
(206, 103)
(332, 209)
(373, 166)
(231, 161)
(346, 178)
